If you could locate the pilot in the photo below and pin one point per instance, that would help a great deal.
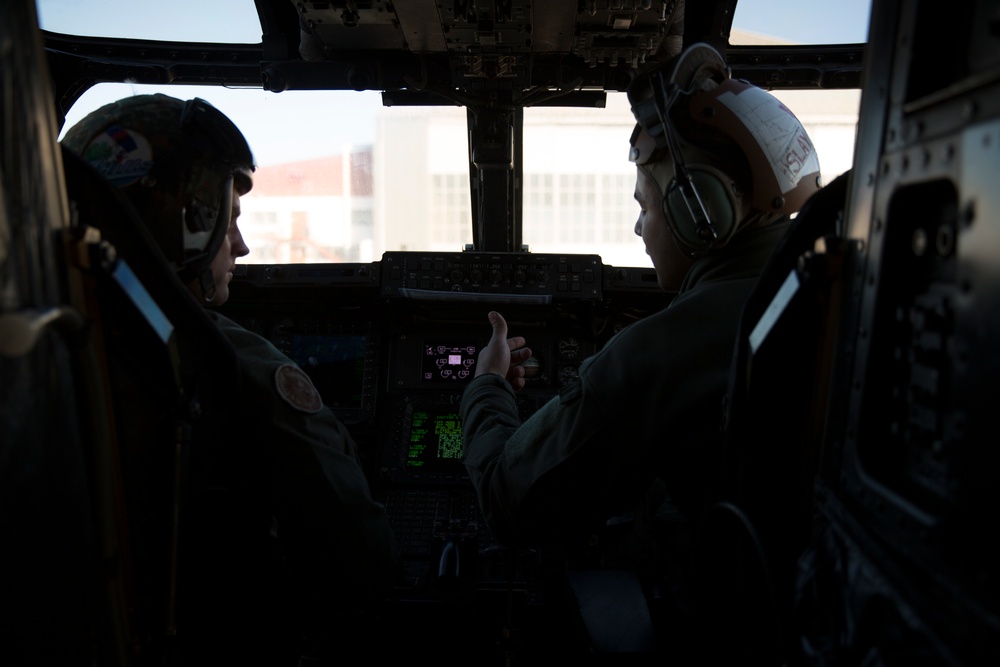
(184, 166)
(720, 166)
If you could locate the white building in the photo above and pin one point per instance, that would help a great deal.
(312, 211)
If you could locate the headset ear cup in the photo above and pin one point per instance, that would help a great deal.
(718, 201)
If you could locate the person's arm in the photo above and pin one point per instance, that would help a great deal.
(566, 463)
(326, 507)
(489, 410)
(327, 517)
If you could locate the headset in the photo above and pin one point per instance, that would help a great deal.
(702, 204)
(701, 208)
(699, 203)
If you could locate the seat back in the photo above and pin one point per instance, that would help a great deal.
(50, 603)
(202, 571)
(749, 542)
(736, 588)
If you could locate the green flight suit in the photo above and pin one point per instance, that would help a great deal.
(648, 405)
(336, 536)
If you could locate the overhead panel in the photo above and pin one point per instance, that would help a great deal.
(553, 26)
(489, 42)
(496, 44)
(354, 26)
(624, 32)
(422, 25)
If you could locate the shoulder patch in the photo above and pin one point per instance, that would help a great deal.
(295, 387)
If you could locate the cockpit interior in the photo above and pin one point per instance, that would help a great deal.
(423, 162)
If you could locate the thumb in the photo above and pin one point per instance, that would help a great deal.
(499, 325)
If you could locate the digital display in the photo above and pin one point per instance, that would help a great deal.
(449, 362)
(435, 438)
(336, 364)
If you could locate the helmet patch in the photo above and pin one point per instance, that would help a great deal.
(121, 155)
(297, 389)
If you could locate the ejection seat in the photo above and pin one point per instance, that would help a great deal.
(188, 540)
(747, 545)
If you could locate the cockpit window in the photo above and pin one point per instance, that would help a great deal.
(578, 194)
(219, 21)
(798, 22)
(342, 178)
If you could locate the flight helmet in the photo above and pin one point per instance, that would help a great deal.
(177, 162)
(725, 154)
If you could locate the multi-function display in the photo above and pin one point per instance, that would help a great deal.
(449, 361)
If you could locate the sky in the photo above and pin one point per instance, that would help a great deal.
(807, 21)
(348, 117)
(229, 20)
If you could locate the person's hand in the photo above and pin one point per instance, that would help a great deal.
(503, 356)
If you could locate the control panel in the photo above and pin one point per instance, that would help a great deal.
(341, 356)
(391, 346)
(517, 278)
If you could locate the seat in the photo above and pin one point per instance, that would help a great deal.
(195, 553)
(49, 600)
(748, 543)
(621, 586)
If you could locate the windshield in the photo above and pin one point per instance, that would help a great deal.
(342, 178)
(223, 21)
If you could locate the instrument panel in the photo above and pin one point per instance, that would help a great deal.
(391, 346)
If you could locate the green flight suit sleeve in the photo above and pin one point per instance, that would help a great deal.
(329, 522)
